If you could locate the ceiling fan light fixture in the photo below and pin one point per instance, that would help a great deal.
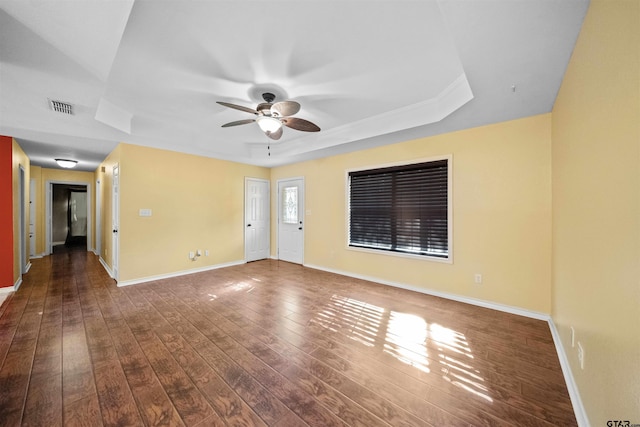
(65, 163)
(269, 124)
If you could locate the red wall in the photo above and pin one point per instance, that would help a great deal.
(6, 212)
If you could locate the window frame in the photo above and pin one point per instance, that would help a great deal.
(449, 258)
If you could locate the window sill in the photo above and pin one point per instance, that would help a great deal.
(448, 260)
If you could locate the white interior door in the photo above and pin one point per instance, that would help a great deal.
(290, 220)
(256, 217)
(115, 221)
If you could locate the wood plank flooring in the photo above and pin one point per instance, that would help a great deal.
(265, 344)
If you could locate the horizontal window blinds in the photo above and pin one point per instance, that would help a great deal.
(401, 209)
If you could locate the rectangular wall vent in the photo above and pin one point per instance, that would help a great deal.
(61, 107)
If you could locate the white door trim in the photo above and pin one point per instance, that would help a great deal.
(302, 213)
(246, 219)
(22, 216)
(97, 249)
(48, 212)
(32, 218)
(115, 222)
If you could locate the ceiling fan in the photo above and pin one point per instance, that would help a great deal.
(271, 116)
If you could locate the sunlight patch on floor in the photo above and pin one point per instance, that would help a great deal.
(408, 337)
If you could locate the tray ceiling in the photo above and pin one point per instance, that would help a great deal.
(367, 72)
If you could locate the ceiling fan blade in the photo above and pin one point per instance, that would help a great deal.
(238, 107)
(238, 122)
(274, 135)
(300, 124)
(285, 108)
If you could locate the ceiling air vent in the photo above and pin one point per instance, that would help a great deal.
(61, 107)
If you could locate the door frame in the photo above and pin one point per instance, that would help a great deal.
(22, 217)
(98, 246)
(245, 219)
(32, 219)
(302, 212)
(49, 213)
(115, 217)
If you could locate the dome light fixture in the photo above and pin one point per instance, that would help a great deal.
(65, 163)
(269, 124)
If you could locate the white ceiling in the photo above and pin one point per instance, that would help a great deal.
(368, 73)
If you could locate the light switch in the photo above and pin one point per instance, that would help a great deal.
(145, 212)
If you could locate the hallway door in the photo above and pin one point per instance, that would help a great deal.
(290, 220)
(256, 219)
(115, 221)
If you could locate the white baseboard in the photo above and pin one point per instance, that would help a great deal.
(36, 256)
(7, 290)
(18, 283)
(27, 268)
(178, 273)
(106, 267)
(574, 394)
(468, 300)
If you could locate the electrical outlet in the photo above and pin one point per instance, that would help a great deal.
(206, 252)
(573, 336)
(580, 355)
(198, 252)
(191, 255)
(477, 278)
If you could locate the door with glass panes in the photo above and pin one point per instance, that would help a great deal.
(290, 220)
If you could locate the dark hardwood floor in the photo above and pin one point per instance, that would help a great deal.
(266, 343)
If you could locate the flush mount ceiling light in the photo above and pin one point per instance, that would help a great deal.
(67, 164)
(272, 116)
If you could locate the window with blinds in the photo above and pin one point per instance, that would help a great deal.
(401, 209)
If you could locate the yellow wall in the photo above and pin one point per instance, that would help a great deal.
(596, 210)
(20, 159)
(196, 203)
(501, 213)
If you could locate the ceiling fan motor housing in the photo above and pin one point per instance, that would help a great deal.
(264, 108)
(268, 97)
